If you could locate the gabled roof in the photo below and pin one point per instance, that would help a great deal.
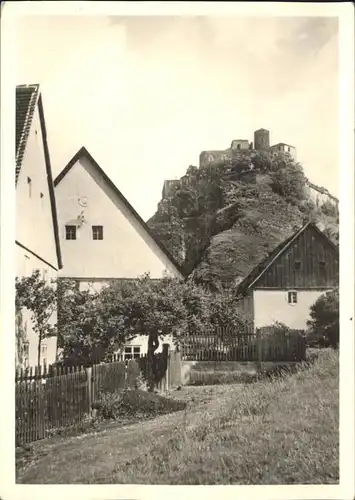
(27, 98)
(26, 101)
(261, 268)
(83, 153)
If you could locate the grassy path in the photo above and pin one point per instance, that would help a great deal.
(280, 432)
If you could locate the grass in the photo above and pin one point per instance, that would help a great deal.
(281, 430)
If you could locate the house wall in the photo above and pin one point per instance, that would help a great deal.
(26, 263)
(126, 251)
(243, 144)
(319, 196)
(284, 148)
(272, 305)
(34, 230)
(34, 224)
(214, 157)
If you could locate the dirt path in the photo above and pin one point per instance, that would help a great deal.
(53, 460)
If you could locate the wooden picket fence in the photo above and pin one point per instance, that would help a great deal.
(227, 344)
(62, 396)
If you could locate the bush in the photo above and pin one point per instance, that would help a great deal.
(289, 182)
(324, 322)
(135, 403)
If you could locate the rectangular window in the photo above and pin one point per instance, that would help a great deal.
(97, 232)
(26, 349)
(44, 349)
(292, 297)
(29, 183)
(297, 265)
(70, 232)
(132, 352)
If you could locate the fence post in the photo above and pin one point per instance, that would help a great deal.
(166, 356)
(88, 370)
(259, 348)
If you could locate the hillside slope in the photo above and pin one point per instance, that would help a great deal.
(221, 220)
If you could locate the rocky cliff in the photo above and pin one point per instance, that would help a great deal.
(222, 219)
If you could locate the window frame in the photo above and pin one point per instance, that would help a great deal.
(131, 355)
(97, 232)
(291, 295)
(68, 228)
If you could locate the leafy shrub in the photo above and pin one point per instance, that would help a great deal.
(329, 209)
(135, 403)
(289, 182)
(324, 322)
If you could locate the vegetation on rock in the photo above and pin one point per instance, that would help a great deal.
(225, 218)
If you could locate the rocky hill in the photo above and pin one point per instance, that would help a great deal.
(221, 220)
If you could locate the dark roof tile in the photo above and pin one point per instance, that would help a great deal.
(26, 100)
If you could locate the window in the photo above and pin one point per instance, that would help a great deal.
(29, 183)
(322, 270)
(132, 352)
(289, 149)
(70, 232)
(26, 348)
(297, 265)
(292, 297)
(97, 232)
(25, 353)
(44, 353)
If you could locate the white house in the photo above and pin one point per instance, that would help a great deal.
(102, 237)
(287, 283)
(284, 148)
(37, 238)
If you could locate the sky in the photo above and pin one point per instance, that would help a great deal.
(145, 95)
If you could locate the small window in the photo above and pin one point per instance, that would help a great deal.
(289, 149)
(44, 349)
(297, 265)
(322, 263)
(26, 348)
(128, 353)
(97, 232)
(70, 232)
(29, 183)
(132, 352)
(292, 297)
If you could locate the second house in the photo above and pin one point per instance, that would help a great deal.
(102, 236)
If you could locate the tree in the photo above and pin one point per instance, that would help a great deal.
(324, 322)
(289, 181)
(153, 308)
(39, 297)
(89, 330)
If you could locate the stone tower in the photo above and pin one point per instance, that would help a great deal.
(261, 139)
